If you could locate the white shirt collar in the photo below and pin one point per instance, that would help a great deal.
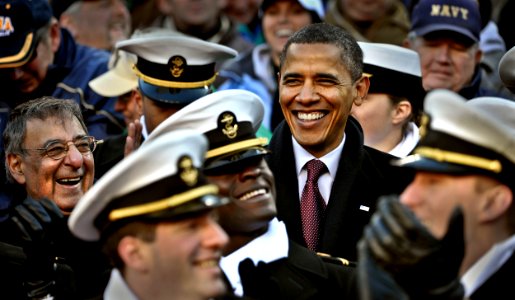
(487, 265)
(144, 131)
(331, 159)
(117, 288)
(270, 246)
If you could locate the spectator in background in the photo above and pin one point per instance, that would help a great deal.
(154, 214)
(379, 21)
(507, 69)
(202, 19)
(51, 63)
(390, 113)
(448, 46)
(246, 15)
(121, 82)
(493, 48)
(321, 77)
(256, 70)
(97, 23)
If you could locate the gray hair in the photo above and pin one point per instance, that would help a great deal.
(42, 109)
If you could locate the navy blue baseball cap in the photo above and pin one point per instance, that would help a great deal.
(460, 17)
(20, 21)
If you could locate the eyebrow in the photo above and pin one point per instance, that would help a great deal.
(317, 76)
(76, 137)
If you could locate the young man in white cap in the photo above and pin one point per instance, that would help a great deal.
(390, 112)
(154, 214)
(455, 220)
(260, 261)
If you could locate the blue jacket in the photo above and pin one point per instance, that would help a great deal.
(73, 67)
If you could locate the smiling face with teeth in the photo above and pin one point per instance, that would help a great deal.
(316, 94)
(280, 20)
(63, 181)
(252, 194)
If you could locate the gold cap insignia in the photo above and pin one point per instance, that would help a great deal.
(187, 171)
(424, 122)
(177, 64)
(228, 120)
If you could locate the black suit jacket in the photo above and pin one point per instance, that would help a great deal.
(363, 175)
(499, 285)
(302, 275)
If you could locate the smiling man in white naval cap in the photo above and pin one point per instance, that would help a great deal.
(455, 222)
(154, 214)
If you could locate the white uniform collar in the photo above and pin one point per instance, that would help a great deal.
(117, 288)
(257, 250)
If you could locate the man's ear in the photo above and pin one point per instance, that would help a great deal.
(136, 97)
(497, 201)
(361, 90)
(55, 35)
(401, 112)
(15, 165)
(479, 55)
(133, 253)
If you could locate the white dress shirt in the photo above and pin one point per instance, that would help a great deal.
(331, 161)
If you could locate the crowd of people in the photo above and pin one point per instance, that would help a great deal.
(258, 149)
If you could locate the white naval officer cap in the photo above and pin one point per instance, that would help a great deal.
(160, 181)
(175, 69)
(466, 137)
(394, 70)
(230, 120)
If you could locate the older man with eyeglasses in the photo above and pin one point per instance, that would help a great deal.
(48, 153)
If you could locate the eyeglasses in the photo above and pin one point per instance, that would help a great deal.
(58, 149)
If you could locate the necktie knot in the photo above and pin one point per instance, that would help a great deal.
(315, 168)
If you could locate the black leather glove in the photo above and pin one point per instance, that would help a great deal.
(374, 283)
(38, 223)
(423, 266)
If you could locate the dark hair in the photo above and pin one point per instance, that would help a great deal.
(323, 33)
(42, 109)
